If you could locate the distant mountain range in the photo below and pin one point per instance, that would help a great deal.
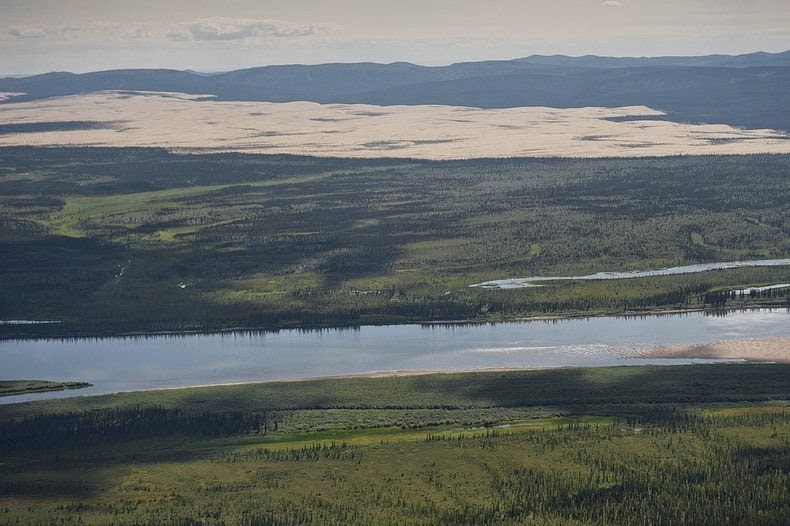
(751, 91)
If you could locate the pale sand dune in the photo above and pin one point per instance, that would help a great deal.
(759, 350)
(183, 123)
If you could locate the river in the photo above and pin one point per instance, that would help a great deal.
(151, 362)
(516, 283)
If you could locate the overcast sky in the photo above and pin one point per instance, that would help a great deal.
(86, 35)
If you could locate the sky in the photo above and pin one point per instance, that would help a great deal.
(38, 36)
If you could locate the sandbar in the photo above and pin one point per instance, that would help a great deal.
(753, 350)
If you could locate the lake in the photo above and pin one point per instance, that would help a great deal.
(151, 362)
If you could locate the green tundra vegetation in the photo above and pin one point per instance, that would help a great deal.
(697, 444)
(111, 241)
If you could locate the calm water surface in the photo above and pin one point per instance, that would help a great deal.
(515, 283)
(135, 363)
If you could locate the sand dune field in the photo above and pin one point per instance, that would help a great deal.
(194, 123)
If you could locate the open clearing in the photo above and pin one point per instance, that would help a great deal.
(194, 123)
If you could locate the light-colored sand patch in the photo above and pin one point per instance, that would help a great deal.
(184, 123)
(759, 350)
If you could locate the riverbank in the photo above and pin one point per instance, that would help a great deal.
(22, 387)
(560, 388)
(772, 350)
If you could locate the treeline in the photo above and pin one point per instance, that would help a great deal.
(720, 298)
(184, 311)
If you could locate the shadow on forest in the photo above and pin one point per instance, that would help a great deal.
(193, 424)
(572, 388)
(85, 468)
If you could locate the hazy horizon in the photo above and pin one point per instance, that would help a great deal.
(502, 59)
(39, 36)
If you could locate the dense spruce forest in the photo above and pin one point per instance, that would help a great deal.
(697, 444)
(110, 241)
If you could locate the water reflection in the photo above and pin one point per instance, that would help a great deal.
(177, 360)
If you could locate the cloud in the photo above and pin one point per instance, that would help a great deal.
(224, 29)
(612, 3)
(27, 32)
(217, 29)
(97, 29)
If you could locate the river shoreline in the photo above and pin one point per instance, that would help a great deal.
(688, 351)
(767, 350)
(473, 321)
(26, 387)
